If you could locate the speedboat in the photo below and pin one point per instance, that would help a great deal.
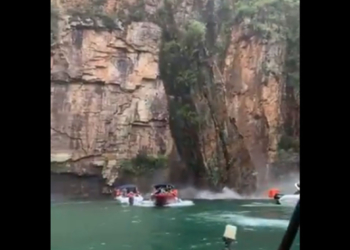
(164, 194)
(285, 199)
(127, 194)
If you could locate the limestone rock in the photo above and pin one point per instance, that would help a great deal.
(107, 102)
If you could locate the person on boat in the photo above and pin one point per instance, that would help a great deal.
(174, 192)
(159, 190)
(124, 192)
(117, 192)
(137, 192)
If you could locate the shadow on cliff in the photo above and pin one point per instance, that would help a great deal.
(72, 187)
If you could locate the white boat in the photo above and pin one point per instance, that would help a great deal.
(125, 199)
(288, 199)
(127, 194)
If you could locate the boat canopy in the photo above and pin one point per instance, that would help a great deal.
(128, 187)
(158, 186)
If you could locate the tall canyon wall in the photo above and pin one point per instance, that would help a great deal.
(115, 93)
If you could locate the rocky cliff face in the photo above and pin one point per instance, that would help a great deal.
(108, 101)
(256, 97)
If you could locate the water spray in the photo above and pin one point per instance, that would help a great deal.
(229, 236)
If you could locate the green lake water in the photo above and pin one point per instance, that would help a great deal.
(104, 225)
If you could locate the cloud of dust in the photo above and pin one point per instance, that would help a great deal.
(193, 193)
(285, 185)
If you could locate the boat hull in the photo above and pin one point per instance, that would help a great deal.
(162, 200)
(126, 200)
(289, 199)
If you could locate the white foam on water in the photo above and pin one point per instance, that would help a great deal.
(257, 222)
(290, 204)
(285, 185)
(260, 204)
(243, 220)
(182, 203)
(289, 200)
(224, 195)
(144, 203)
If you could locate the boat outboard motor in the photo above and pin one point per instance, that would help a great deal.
(131, 200)
(275, 194)
(277, 197)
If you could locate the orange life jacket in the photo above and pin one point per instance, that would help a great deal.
(174, 192)
(273, 192)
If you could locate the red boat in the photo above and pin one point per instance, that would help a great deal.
(164, 194)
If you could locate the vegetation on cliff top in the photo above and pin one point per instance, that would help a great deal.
(275, 21)
(287, 143)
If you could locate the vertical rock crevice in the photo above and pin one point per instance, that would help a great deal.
(191, 77)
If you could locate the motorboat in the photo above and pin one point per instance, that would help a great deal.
(285, 199)
(127, 194)
(164, 194)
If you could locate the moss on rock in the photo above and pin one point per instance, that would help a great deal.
(143, 164)
(59, 167)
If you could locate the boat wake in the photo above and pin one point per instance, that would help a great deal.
(285, 185)
(225, 194)
(260, 204)
(243, 220)
(182, 203)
